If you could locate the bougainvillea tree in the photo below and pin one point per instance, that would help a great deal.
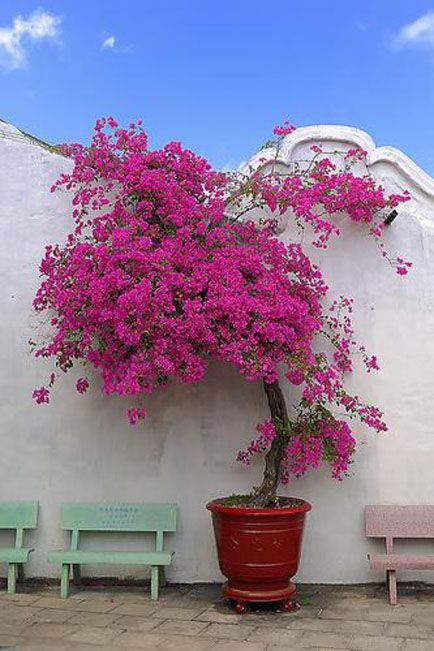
(164, 271)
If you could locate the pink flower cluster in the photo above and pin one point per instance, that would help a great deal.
(82, 385)
(267, 433)
(312, 442)
(316, 194)
(283, 130)
(135, 414)
(155, 280)
(41, 396)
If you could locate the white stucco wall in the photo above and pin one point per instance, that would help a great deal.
(82, 449)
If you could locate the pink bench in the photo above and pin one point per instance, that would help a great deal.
(391, 522)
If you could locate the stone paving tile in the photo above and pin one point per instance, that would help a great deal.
(11, 628)
(315, 639)
(279, 647)
(114, 646)
(45, 645)
(338, 626)
(10, 640)
(232, 645)
(166, 612)
(218, 617)
(56, 645)
(372, 643)
(52, 645)
(411, 630)
(198, 591)
(424, 618)
(369, 613)
(92, 619)
(283, 647)
(96, 605)
(56, 602)
(139, 640)
(140, 596)
(418, 645)
(15, 613)
(344, 611)
(229, 631)
(135, 623)
(269, 619)
(50, 630)
(143, 610)
(275, 636)
(180, 627)
(393, 614)
(22, 598)
(88, 593)
(416, 601)
(52, 615)
(185, 643)
(95, 595)
(94, 635)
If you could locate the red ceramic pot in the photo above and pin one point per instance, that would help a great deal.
(258, 550)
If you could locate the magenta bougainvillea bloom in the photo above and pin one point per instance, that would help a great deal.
(165, 271)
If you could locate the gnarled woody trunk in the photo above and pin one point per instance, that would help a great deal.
(265, 494)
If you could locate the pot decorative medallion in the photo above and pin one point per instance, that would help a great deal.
(259, 551)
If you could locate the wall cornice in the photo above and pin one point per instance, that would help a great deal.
(349, 137)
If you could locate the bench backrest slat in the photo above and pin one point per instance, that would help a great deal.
(399, 521)
(18, 515)
(118, 517)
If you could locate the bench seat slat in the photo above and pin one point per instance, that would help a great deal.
(401, 562)
(110, 557)
(14, 555)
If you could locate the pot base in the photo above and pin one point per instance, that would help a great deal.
(258, 595)
(243, 597)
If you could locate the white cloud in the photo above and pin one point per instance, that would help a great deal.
(37, 26)
(419, 32)
(108, 43)
(111, 43)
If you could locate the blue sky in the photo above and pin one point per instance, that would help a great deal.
(219, 75)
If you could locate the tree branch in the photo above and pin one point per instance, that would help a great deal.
(265, 494)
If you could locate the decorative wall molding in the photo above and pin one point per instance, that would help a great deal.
(349, 137)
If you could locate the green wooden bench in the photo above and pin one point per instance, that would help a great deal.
(17, 516)
(156, 518)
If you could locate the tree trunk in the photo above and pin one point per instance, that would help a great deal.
(265, 494)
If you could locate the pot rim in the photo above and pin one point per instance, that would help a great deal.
(215, 507)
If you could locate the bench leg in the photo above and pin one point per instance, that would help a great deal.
(154, 582)
(76, 574)
(12, 578)
(391, 586)
(64, 581)
(162, 582)
(20, 571)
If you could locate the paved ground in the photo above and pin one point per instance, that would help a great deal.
(197, 619)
